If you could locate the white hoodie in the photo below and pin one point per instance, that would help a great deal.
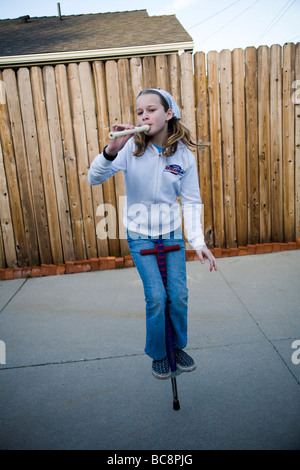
(153, 182)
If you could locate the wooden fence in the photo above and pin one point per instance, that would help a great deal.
(55, 119)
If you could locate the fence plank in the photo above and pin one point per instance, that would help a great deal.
(4, 198)
(136, 76)
(101, 103)
(2, 252)
(7, 231)
(175, 78)
(228, 151)
(126, 105)
(252, 144)
(34, 165)
(103, 129)
(16, 124)
(188, 98)
(89, 107)
(114, 112)
(203, 152)
(58, 163)
(162, 73)
(276, 142)
(149, 72)
(216, 152)
(264, 143)
(5, 191)
(70, 160)
(288, 142)
(12, 181)
(240, 146)
(296, 102)
(46, 163)
(82, 160)
(127, 117)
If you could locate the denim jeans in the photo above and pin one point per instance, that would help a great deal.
(155, 292)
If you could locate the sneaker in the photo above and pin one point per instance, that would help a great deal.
(161, 368)
(184, 362)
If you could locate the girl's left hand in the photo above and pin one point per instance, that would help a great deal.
(204, 253)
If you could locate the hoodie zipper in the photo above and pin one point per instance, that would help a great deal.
(157, 174)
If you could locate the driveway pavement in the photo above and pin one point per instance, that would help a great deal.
(76, 377)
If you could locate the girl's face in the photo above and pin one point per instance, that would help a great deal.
(151, 111)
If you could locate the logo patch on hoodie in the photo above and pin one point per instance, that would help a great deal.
(174, 169)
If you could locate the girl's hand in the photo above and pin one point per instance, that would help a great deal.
(204, 253)
(115, 145)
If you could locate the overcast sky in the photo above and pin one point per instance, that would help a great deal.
(213, 25)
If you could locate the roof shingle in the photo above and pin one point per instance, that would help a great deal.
(88, 32)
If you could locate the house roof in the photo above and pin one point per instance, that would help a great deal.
(63, 38)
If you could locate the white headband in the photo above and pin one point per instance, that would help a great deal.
(170, 100)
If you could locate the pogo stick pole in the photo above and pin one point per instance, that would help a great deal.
(160, 250)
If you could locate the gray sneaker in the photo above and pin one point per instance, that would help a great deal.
(184, 362)
(161, 369)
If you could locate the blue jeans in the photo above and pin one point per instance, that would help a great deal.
(155, 292)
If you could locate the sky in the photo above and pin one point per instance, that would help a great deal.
(213, 25)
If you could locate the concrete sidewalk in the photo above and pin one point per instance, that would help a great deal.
(76, 376)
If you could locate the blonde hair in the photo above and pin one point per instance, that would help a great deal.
(176, 131)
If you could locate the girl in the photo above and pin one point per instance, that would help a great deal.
(159, 167)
